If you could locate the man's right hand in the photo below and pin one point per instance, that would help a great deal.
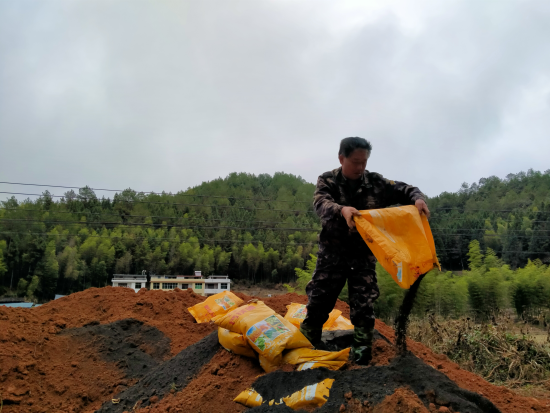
(348, 213)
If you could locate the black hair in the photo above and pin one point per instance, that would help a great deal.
(348, 145)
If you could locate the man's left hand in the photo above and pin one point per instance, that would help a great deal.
(422, 207)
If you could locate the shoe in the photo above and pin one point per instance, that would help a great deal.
(313, 334)
(361, 355)
(361, 350)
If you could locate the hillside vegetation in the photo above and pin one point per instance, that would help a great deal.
(256, 228)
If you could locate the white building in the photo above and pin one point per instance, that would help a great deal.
(136, 282)
(216, 284)
(202, 286)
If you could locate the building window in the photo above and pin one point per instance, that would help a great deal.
(156, 286)
(198, 286)
(211, 286)
(184, 286)
(169, 286)
(223, 286)
(138, 285)
(122, 284)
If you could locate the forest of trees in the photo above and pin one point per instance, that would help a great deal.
(254, 228)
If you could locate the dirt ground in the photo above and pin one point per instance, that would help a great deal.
(84, 351)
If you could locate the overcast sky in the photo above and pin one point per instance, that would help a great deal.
(163, 95)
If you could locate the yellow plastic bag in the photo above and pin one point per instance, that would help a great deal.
(235, 342)
(249, 398)
(267, 332)
(314, 395)
(304, 355)
(341, 323)
(401, 239)
(270, 365)
(214, 305)
(297, 313)
(310, 396)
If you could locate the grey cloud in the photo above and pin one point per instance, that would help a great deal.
(165, 95)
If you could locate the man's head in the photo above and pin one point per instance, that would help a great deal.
(353, 156)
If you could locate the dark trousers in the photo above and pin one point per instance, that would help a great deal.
(327, 283)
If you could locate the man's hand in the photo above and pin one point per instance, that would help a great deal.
(422, 207)
(348, 213)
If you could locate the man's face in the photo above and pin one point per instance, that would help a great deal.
(354, 165)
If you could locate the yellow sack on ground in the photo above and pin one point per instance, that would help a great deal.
(214, 305)
(297, 313)
(249, 398)
(267, 332)
(310, 396)
(341, 323)
(303, 355)
(331, 365)
(401, 239)
(235, 342)
(270, 365)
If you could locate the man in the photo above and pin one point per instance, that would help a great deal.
(343, 255)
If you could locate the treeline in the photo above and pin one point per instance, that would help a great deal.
(257, 228)
(511, 216)
(254, 228)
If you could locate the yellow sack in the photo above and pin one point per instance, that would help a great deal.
(297, 313)
(303, 355)
(331, 365)
(235, 342)
(401, 239)
(270, 365)
(313, 395)
(249, 398)
(341, 323)
(267, 332)
(214, 305)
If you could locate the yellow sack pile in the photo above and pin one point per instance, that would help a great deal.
(401, 239)
(341, 323)
(307, 358)
(214, 305)
(267, 332)
(314, 395)
(235, 343)
(297, 313)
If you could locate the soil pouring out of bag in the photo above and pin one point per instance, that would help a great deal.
(402, 320)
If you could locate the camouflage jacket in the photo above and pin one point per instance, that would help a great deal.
(332, 194)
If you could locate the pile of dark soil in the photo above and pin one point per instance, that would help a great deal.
(131, 345)
(370, 386)
(173, 374)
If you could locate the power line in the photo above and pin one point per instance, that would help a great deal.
(120, 224)
(435, 229)
(171, 203)
(233, 241)
(149, 192)
(155, 238)
(101, 214)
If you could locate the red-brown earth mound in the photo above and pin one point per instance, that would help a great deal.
(56, 358)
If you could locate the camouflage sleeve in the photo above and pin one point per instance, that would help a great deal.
(402, 193)
(323, 202)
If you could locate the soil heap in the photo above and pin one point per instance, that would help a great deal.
(113, 350)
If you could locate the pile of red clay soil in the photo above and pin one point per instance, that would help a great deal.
(113, 350)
